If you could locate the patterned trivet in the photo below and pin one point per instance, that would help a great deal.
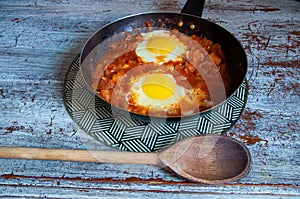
(124, 133)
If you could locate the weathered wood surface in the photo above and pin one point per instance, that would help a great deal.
(38, 41)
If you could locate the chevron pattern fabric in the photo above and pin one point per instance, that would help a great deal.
(120, 131)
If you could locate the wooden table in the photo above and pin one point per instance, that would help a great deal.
(39, 40)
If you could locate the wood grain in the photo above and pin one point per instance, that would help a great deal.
(38, 41)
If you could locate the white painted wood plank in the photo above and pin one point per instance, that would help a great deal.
(38, 41)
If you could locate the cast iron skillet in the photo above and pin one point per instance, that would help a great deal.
(191, 17)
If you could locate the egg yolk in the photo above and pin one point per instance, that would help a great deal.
(158, 86)
(160, 45)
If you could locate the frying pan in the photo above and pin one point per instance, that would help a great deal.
(192, 23)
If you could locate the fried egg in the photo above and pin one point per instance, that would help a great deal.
(159, 47)
(157, 90)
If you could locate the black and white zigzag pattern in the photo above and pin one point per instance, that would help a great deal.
(122, 132)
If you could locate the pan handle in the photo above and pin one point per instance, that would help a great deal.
(193, 7)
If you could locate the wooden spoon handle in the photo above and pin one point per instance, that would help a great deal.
(79, 155)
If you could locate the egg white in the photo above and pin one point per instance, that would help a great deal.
(142, 99)
(148, 56)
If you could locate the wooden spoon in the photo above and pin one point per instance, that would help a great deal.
(211, 159)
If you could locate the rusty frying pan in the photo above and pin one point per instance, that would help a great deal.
(190, 22)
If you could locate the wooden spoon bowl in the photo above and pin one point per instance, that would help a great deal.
(209, 159)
